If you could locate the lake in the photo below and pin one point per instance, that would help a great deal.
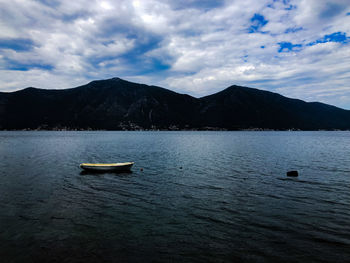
(191, 197)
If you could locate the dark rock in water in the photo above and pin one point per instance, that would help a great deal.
(292, 173)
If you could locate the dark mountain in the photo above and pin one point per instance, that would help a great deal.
(241, 107)
(104, 104)
(118, 104)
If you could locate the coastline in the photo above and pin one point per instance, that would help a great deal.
(168, 129)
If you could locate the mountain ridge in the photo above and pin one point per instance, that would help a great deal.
(117, 104)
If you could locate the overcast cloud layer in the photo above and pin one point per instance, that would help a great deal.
(298, 48)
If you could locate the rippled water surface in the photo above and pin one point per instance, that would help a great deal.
(201, 197)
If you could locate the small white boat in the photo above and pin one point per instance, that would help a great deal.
(107, 166)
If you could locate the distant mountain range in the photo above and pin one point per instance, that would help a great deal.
(116, 104)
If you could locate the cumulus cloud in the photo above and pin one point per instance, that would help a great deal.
(299, 48)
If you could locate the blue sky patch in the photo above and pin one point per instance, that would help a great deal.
(287, 3)
(149, 66)
(339, 37)
(335, 37)
(142, 46)
(293, 30)
(17, 44)
(74, 16)
(51, 3)
(288, 47)
(14, 65)
(257, 22)
(197, 4)
(291, 7)
(331, 10)
(245, 58)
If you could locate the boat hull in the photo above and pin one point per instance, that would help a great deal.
(104, 167)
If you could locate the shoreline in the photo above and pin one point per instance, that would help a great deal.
(194, 129)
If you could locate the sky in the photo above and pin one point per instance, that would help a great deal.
(300, 49)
